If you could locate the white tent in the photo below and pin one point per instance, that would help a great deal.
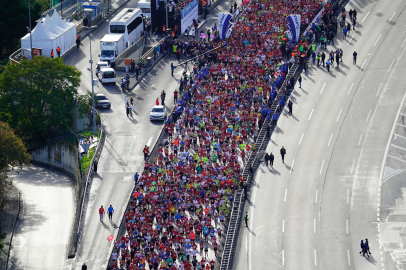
(57, 31)
(41, 38)
(70, 30)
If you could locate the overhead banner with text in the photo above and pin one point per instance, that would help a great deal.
(294, 26)
(187, 15)
(224, 24)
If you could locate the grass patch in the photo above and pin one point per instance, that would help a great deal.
(2, 237)
(85, 161)
(89, 133)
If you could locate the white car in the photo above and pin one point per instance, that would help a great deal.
(107, 75)
(101, 65)
(158, 113)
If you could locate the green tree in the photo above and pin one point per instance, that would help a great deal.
(12, 154)
(36, 96)
(84, 105)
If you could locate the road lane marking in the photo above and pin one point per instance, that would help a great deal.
(310, 116)
(363, 63)
(350, 89)
(352, 167)
(301, 138)
(291, 168)
(283, 225)
(366, 16)
(338, 117)
(346, 225)
(348, 255)
(360, 138)
(351, 39)
(391, 65)
(377, 39)
(150, 141)
(322, 88)
(283, 257)
(315, 257)
(321, 168)
(379, 89)
(314, 226)
(391, 17)
(368, 115)
(131, 148)
(329, 141)
(348, 195)
(286, 194)
(315, 199)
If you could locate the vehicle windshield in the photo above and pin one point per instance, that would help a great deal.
(107, 53)
(101, 98)
(117, 29)
(157, 110)
(108, 74)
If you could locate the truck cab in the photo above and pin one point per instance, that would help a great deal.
(111, 45)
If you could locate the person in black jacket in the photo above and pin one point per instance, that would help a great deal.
(283, 153)
(271, 158)
(84, 267)
(266, 158)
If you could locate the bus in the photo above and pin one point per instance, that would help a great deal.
(145, 6)
(129, 23)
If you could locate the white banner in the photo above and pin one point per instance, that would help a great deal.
(189, 13)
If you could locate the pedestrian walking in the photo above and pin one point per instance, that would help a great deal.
(366, 246)
(101, 213)
(341, 55)
(172, 69)
(127, 109)
(251, 170)
(146, 152)
(345, 30)
(266, 158)
(290, 105)
(318, 58)
(271, 158)
(300, 79)
(175, 96)
(362, 248)
(110, 212)
(136, 177)
(163, 95)
(95, 163)
(337, 54)
(274, 118)
(354, 55)
(354, 22)
(246, 219)
(58, 51)
(84, 266)
(283, 153)
(52, 53)
(323, 57)
(328, 65)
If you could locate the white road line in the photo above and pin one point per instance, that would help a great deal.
(338, 117)
(348, 195)
(315, 199)
(329, 141)
(286, 194)
(314, 226)
(348, 255)
(131, 148)
(352, 167)
(366, 16)
(150, 141)
(379, 89)
(322, 88)
(310, 116)
(346, 225)
(350, 39)
(283, 225)
(403, 43)
(363, 63)
(283, 257)
(350, 89)
(315, 257)
(391, 17)
(321, 168)
(360, 138)
(291, 168)
(391, 65)
(377, 39)
(368, 115)
(301, 138)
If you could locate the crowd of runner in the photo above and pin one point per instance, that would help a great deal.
(182, 199)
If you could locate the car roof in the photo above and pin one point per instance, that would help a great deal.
(158, 106)
(107, 69)
(103, 63)
(100, 94)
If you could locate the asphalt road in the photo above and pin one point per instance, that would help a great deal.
(312, 211)
(122, 154)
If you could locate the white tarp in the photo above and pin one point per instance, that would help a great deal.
(50, 34)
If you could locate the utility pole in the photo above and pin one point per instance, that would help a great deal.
(91, 72)
(29, 18)
(166, 9)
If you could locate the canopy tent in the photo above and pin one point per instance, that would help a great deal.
(50, 34)
(41, 39)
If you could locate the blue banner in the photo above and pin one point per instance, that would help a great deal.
(224, 24)
(294, 26)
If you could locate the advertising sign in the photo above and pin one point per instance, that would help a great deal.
(189, 13)
(224, 23)
(294, 26)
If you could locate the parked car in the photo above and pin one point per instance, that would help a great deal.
(102, 102)
(101, 65)
(158, 113)
(107, 75)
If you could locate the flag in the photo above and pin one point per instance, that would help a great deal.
(111, 237)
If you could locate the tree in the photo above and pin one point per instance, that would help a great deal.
(36, 97)
(85, 112)
(12, 154)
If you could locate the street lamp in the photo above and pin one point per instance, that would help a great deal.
(166, 9)
(29, 28)
(91, 72)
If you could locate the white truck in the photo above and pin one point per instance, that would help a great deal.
(145, 6)
(111, 45)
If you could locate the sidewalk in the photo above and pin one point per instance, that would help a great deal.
(8, 218)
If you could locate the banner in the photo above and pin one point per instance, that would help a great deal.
(224, 24)
(229, 30)
(244, 2)
(187, 15)
(294, 26)
(315, 21)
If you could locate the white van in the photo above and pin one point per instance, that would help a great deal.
(101, 65)
(107, 75)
